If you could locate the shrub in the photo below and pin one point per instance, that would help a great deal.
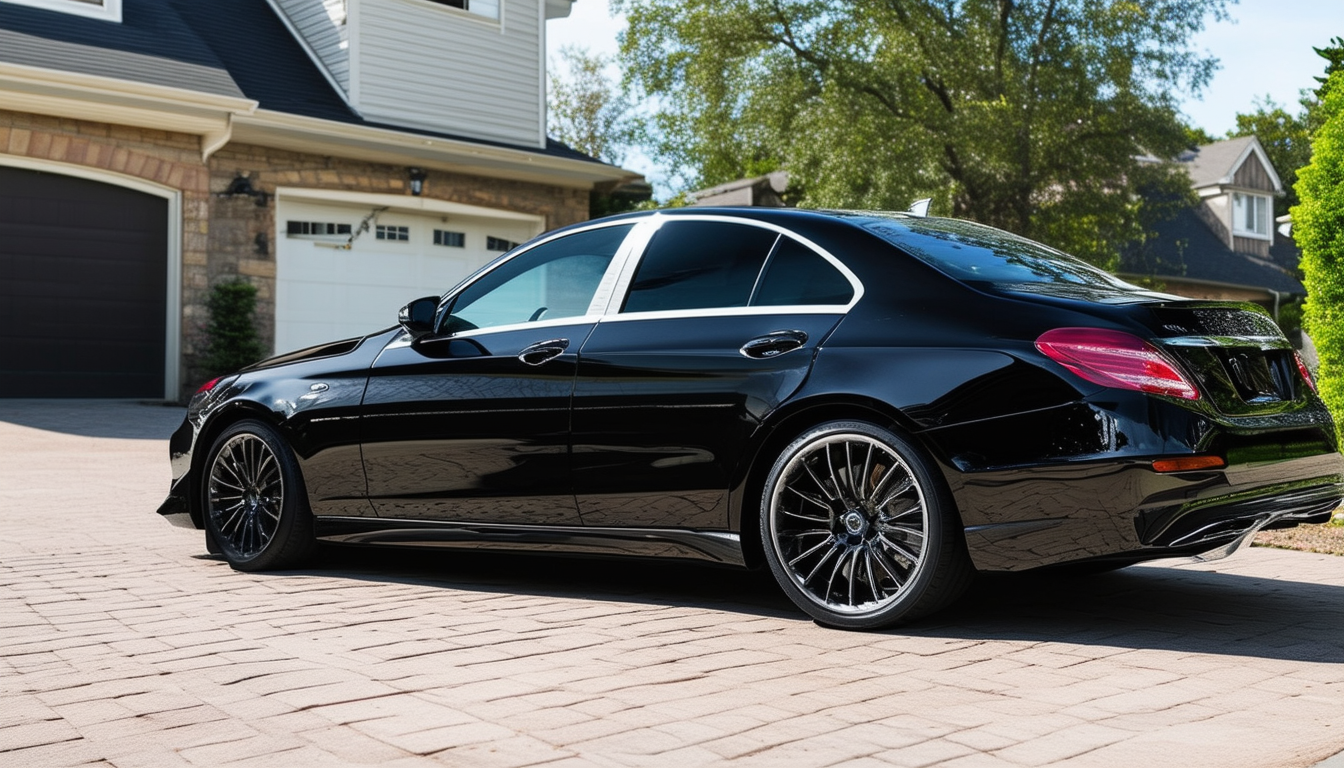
(232, 341)
(1318, 228)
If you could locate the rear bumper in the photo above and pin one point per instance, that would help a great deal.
(1123, 510)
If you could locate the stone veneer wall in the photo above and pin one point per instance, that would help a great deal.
(225, 238)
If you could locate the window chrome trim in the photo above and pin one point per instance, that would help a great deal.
(657, 220)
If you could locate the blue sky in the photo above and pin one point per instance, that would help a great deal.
(1265, 49)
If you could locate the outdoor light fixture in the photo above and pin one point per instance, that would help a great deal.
(242, 185)
(417, 177)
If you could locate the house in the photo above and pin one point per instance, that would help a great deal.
(766, 191)
(1227, 246)
(343, 156)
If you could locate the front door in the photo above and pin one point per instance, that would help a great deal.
(471, 423)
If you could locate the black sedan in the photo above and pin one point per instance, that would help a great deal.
(872, 405)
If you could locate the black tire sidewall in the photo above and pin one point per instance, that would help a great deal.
(940, 535)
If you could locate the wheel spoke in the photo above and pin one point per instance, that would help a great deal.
(829, 540)
(810, 498)
(832, 495)
(898, 549)
(820, 563)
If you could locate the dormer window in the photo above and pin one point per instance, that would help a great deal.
(109, 10)
(1250, 215)
(487, 8)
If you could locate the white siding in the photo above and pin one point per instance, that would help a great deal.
(432, 67)
(322, 24)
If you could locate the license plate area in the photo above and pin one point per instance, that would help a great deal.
(1259, 376)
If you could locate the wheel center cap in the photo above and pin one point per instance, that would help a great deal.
(855, 523)
(251, 497)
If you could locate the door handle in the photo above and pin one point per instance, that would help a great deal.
(773, 344)
(536, 354)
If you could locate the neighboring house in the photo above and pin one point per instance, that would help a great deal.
(1227, 247)
(765, 191)
(344, 156)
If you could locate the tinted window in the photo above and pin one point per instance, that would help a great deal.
(550, 281)
(980, 254)
(797, 274)
(699, 264)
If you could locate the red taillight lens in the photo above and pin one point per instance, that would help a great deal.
(1187, 463)
(1306, 372)
(1116, 359)
(209, 385)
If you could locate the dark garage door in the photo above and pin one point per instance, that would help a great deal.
(83, 286)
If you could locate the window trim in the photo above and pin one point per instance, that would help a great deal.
(107, 10)
(1238, 230)
(494, 21)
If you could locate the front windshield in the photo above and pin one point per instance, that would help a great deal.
(989, 257)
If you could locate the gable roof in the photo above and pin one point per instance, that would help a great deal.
(229, 48)
(1216, 164)
(1185, 248)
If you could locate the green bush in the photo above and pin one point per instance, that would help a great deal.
(232, 338)
(1318, 228)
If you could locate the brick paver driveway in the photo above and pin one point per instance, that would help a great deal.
(121, 644)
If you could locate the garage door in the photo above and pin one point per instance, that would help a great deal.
(327, 291)
(83, 288)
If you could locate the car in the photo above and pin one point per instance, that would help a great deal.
(873, 406)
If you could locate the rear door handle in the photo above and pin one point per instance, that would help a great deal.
(536, 354)
(773, 344)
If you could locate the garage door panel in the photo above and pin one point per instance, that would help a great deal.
(84, 274)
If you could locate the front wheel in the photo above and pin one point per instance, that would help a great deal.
(857, 529)
(254, 500)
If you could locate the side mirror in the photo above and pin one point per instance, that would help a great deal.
(418, 316)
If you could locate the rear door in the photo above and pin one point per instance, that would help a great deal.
(709, 332)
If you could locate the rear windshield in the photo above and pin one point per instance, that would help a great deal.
(992, 258)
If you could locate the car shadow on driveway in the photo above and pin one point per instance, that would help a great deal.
(1177, 609)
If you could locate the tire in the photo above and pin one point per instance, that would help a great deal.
(254, 500)
(867, 553)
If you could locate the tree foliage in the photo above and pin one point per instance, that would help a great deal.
(586, 109)
(1023, 114)
(1318, 228)
(232, 338)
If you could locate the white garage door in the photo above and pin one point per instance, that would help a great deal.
(331, 287)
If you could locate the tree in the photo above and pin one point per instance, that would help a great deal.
(1029, 115)
(1318, 228)
(586, 110)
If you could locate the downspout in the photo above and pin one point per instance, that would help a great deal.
(213, 141)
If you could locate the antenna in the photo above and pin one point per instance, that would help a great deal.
(920, 208)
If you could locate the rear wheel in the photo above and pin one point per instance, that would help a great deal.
(254, 500)
(857, 529)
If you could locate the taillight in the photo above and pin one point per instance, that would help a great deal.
(209, 385)
(1116, 359)
(1306, 372)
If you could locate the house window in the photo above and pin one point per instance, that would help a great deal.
(486, 8)
(400, 234)
(1250, 215)
(450, 239)
(499, 244)
(316, 229)
(109, 10)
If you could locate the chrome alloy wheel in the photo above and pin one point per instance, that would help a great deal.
(245, 495)
(848, 520)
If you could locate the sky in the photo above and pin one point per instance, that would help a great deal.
(1265, 49)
